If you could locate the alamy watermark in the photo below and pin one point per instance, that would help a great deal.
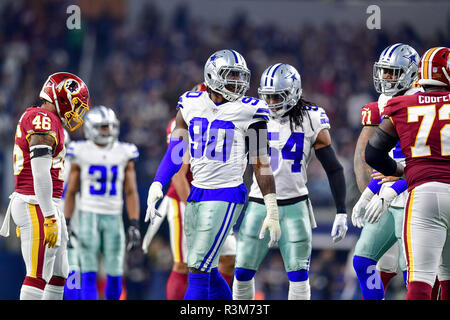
(374, 19)
(74, 19)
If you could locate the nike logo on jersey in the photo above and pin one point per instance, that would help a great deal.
(44, 114)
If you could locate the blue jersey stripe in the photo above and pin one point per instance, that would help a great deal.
(262, 110)
(260, 116)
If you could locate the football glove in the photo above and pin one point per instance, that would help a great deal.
(71, 234)
(50, 232)
(271, 222)
(340, 227)
(378, 205)
(358, 209)
(154, 194)
(134, 235)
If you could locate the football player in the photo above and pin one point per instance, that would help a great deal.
(421, 123)
(173, 206)
(102, 167)
(296, 128)
(214, 126)
(39, 154)
(394, 74)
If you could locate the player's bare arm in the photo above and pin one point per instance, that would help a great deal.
(259, 158)
(73, 186)
(361, 168)
(181, 129)
(180, 182)
(131, 193)
(42, 139)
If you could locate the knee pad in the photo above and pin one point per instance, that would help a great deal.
(244, 274)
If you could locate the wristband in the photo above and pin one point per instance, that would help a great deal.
(399, 186)
(270, 201)
(374, 186)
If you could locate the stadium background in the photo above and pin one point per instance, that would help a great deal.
(138, 56)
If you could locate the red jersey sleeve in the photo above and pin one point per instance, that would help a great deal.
(39, 120)
(370, 114)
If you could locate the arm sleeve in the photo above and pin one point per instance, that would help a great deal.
(335, 174)
(377, 152)
(43, 185)
(171, 162)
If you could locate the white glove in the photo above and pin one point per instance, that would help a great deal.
(358, 209)
(339, 227)
(271, 222)
(154, 194)
(378, 205)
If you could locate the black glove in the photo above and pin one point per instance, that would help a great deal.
(134, 235)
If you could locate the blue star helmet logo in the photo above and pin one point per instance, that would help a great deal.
(292, 76)
(213, 58)
(411, 58)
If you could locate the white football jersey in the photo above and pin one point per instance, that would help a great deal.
(290, 153)
(396, 153)
(102, 174)
(218, 154)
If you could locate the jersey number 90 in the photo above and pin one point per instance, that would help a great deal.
(214, 140)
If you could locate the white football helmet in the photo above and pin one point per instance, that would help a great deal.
(226, 73)
(101, 125)
(401, 62)
(280, 88)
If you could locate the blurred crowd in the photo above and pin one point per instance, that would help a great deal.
(141, 69)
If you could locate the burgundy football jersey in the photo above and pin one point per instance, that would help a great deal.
(422, 122)
(370, 114)
(38, 120)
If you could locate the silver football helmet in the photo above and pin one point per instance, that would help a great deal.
(280, 88)
(226, 73)
(101, 125)
(396, 69)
